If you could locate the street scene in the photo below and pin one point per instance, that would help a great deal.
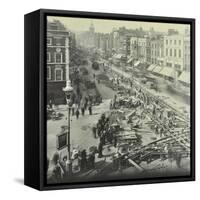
(118, 100)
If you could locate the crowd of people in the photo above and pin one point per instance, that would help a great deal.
(80, 107)
(105, 132)
(58, 167)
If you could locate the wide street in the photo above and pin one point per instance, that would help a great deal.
(81, 129)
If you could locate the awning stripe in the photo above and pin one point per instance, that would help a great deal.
(184, 77)
(167, 71)
(157, 69)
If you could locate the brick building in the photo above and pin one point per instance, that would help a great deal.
(57, 59)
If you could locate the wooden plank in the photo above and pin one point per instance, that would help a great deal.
(134, 164)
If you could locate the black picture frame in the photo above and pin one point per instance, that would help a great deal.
(35, 98)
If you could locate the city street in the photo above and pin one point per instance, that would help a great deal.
(133, 125)
(81, 129)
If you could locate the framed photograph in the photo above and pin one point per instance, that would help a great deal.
(109, 99)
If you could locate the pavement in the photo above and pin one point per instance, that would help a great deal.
(81, 129)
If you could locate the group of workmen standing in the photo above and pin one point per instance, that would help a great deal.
(105, 132)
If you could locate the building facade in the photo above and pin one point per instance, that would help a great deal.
(57, 59)
(174, 53)
(186, 66)
(140, 49)
(157, 50)
(134, 47)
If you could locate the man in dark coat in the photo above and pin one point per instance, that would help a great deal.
(90, 109)
(83, 111)
(83, 160)
(100, 149)
(94, 131)
(77, 114)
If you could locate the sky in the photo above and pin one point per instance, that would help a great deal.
(106, 26)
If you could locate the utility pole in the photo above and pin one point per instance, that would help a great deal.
(68, 91)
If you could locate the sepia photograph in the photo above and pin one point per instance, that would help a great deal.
(118, 99)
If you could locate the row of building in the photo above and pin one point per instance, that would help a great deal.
(114, 42)
(169, 50)
(164, 53)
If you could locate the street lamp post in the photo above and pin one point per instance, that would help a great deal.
(68, 91)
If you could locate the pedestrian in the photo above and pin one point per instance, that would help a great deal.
(118, 81)
(116, 161)
(77, 114)
(57, 172)
(131, 84)
(111, 104)
(161, 132)
(103, 138)
(50, 104)
(115, 141)
(55, 158)
(86, 103)
(100, 149)
(98, 129)
(73, 108)
(83, 160)
(165, 152)
(83, 111)
(94, 131)
(91, 160)
(103, 117)
(90, 109)
(63, 165)
(156, 129)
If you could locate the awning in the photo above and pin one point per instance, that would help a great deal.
(130, 60)
(167, 71)
(118, 56)
(137, 63)
(157, 69)
(184, 77)
(151, 67)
